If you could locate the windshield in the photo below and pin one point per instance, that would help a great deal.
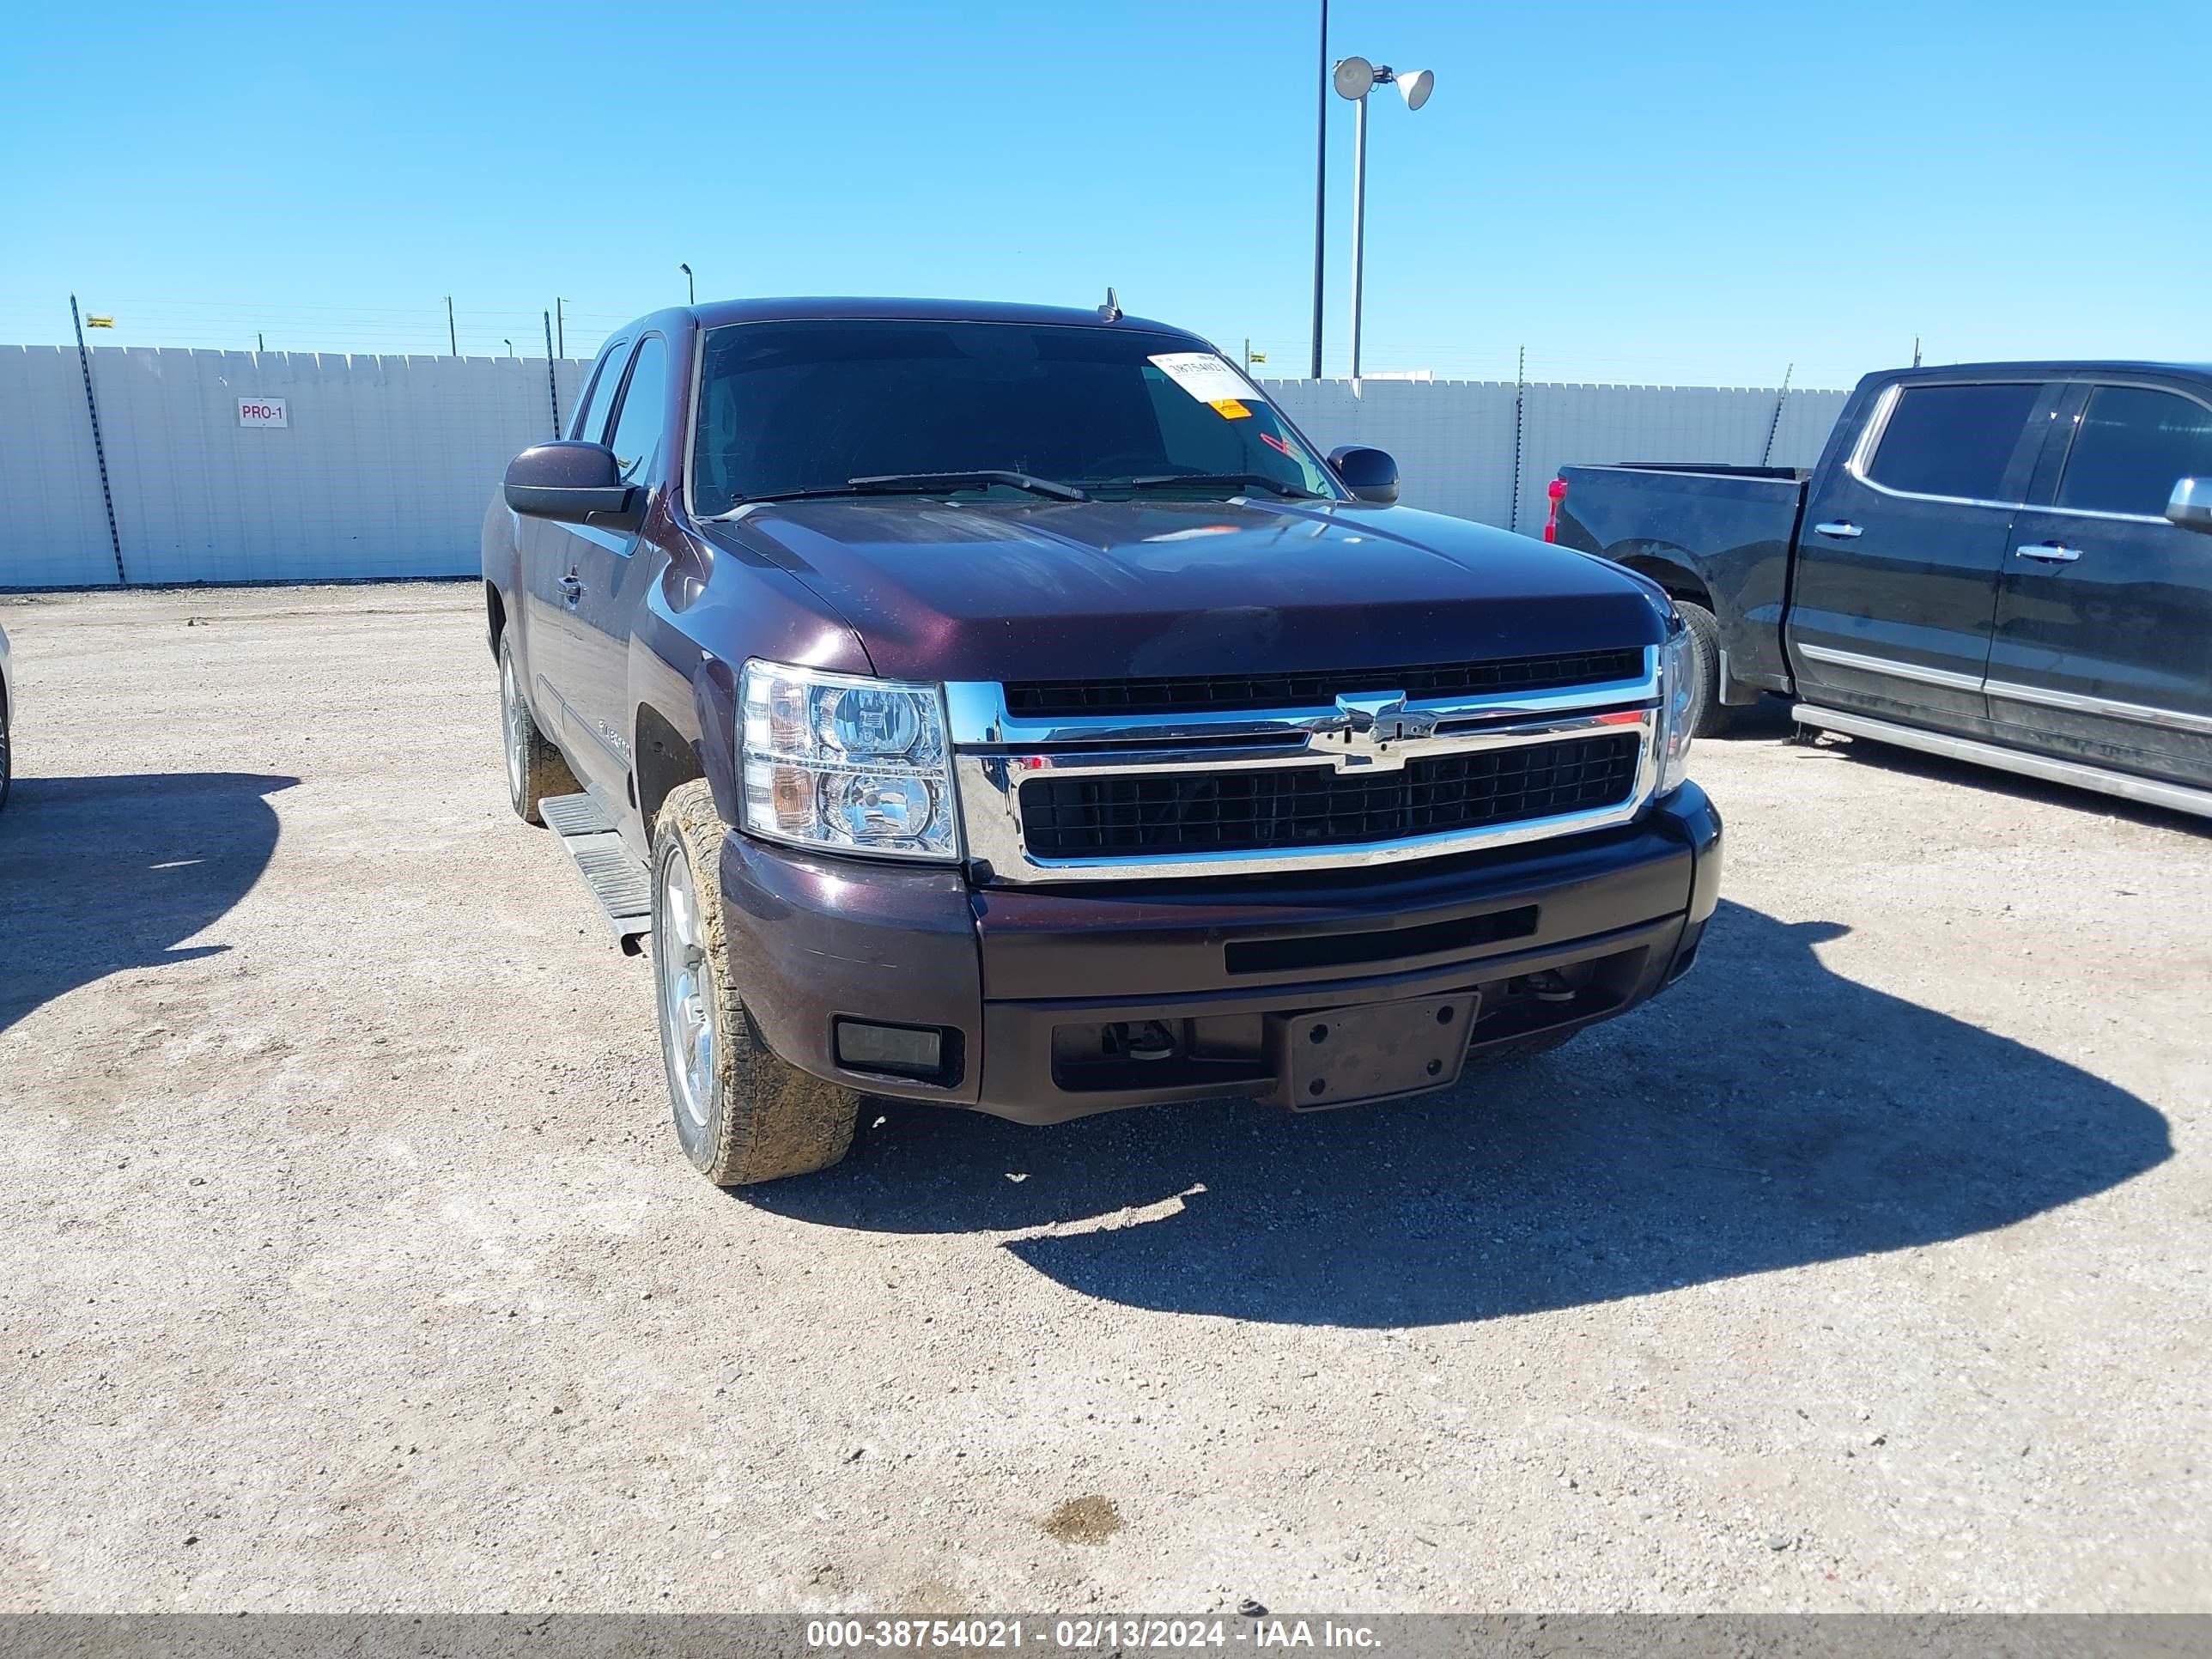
(807, 407)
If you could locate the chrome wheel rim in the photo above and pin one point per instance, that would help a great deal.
(513, 716)
(687, 1005)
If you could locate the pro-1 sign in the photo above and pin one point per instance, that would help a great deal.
(262, 411)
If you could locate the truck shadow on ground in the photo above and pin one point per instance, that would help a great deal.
(102, 874)
(1766, 1114)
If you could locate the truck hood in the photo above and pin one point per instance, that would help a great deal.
(939, 591)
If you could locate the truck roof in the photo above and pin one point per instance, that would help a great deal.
(716, 312)
(2047, 369)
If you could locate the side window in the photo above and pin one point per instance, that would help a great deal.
(637, 428)
(592, 422)
(2133, 446)
(1953, 439)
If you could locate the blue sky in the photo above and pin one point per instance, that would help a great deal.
(1688, 194)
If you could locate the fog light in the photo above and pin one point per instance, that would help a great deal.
(902, 1050)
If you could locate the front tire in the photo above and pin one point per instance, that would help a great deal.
(535, 770)
(1713, 715)
(741, 1115)
(7, 759)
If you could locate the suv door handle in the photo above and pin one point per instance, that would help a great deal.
(572, 588)
(1841, 529)
(2047, 552)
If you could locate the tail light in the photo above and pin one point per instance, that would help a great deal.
(1557, 489)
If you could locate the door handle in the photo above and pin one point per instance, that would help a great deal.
(2047, 552)
(1841, 529)
(572, 589)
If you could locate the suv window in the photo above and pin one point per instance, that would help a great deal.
(2133, 446)
(592, 422)
(1953, 439)
(637, 428)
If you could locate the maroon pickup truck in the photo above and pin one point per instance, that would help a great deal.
(1007, 708)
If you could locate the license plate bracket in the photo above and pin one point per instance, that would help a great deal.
(1330, 1057)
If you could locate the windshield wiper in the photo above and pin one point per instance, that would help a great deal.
(928, 484)
(1227, 481)
(913, 483)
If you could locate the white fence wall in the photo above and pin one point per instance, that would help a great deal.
(384, 468)
(388, 462)
(53, 531)
(1454, 439)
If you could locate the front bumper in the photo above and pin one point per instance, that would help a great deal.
(1026, 984)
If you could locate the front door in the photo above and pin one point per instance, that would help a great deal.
(1896, 578)
(2103, 647)
(551, 582)
(610, 569)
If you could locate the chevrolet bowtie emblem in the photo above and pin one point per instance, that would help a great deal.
(1367, 730)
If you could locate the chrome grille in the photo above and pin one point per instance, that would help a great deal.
(1376, 775)
(1127, 815)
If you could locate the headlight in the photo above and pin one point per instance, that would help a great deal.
(845, 764)
(1677, 688)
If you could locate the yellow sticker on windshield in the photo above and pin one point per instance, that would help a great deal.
(1230, 410)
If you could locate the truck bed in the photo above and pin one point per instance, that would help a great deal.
(1719, 536)
(1707, 469)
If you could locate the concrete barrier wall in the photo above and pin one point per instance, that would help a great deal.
(387, 464)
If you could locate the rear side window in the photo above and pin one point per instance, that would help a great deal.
(637, 428)
(1953, 439)
(591, 425)
(2133, 446)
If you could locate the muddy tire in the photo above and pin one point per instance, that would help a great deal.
(742, 1115)
(535, 768)
(1525, 1049)
(1713, 715)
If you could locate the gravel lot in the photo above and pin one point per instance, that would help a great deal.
(347, 1260)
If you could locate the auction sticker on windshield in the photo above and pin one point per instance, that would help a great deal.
(1209, 380)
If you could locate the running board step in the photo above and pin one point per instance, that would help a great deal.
(2175, 797)
(616, 880)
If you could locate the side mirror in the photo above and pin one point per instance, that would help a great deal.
(1369, 474)
(2191, 505)
(573, 482)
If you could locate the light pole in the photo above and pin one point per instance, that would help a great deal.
(690, 288)
(1355, 78)
(1321, 181)
(509, 345)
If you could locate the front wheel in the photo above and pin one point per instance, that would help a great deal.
(741, 1115)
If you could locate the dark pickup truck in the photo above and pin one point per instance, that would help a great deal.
(1993, 562)
(1008, 709)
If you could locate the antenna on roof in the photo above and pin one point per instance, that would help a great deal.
(1111, 311)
